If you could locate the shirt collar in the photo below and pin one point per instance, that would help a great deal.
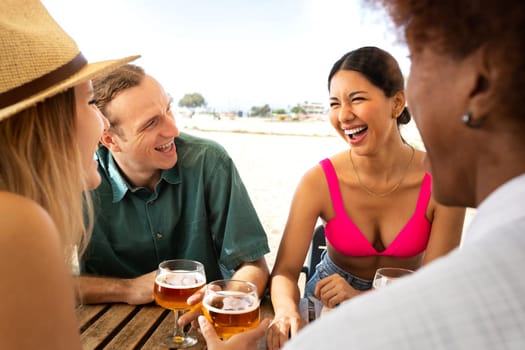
(499, 208)
(172, 175)
(119, 185)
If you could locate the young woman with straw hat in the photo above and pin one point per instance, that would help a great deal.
(49, 130)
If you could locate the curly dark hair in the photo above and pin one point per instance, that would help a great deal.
(459, 28)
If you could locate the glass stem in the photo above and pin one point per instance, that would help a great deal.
(179, 331)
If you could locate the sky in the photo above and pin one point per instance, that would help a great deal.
(235, 53)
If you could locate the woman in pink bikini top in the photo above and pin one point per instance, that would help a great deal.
(374, 198)
(345, 237)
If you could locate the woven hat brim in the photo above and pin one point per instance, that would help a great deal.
(89, 71)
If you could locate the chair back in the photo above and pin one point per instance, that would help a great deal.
(317, 246)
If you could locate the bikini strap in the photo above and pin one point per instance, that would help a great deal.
(333, 186)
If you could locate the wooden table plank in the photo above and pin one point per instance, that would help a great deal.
(165, 329)
(104, 327)
(121, 326)
(134, 332)
(85, 313)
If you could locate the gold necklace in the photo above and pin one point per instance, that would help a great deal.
(372, 193)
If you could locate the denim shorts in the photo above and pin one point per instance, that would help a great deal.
(325, 268)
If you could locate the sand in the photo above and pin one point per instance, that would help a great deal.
(271, 159)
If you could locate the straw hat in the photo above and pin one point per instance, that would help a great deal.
(37, 58)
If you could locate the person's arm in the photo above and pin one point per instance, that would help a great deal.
(36, 292)
(304, 212)
(234, 225)
(134, 291)
(256, 272)
(334, 289)
(445, 235)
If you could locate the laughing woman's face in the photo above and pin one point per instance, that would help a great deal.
(360, 112)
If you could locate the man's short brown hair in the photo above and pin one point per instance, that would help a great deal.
(107, 87)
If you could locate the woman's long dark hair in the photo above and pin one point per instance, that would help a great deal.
(379, 67)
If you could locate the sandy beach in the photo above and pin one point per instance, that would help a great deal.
(272, 156)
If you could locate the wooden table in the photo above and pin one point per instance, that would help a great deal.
(123, 327)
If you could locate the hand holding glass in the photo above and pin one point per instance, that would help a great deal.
(232, 306)
(386, 275)
(175, 281)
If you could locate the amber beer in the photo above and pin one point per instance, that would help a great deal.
(232, 312)
(173, 288)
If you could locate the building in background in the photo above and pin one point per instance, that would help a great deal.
(314, 110)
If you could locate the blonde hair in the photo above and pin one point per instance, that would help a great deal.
(40, 159)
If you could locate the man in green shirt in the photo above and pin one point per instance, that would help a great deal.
(164, 195)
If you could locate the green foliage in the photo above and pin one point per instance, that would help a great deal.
(193, 100)
(280, 111)
(263, 111)
(298, 110)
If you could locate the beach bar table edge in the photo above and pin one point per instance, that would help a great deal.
(123, 326)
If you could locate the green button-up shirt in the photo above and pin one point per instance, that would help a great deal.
(200, 210)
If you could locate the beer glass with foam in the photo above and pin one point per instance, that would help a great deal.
(232, 306)
(175, 281)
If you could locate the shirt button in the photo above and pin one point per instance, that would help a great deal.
(158, 235)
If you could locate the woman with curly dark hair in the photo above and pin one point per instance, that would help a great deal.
(465, 90)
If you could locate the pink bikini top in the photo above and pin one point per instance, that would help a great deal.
(346, 237)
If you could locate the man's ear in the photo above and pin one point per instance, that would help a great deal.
(399, 103)
(108, 139)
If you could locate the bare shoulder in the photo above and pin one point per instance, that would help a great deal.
(316, 175)
(16, 201)
(310, 179)
(314, 180)
(313, 194)
(24, 221)
(31, 256)
(16, 209)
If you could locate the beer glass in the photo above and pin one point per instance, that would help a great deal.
(232, 306)
(175, 281)
(386, 275)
